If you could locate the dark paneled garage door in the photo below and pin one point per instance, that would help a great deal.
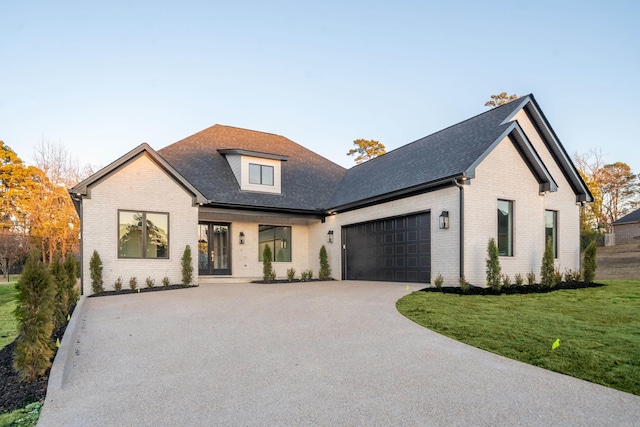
(394, 249)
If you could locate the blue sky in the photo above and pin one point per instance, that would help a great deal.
(103, 77)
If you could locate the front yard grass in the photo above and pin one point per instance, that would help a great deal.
(598, 328)
(8, 322)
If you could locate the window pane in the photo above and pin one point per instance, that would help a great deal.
(267, 175)
(265, 237)
(505, 228)
(551, 229)
(283, 244)
(157, 235)
(254, 173)
(130, 234)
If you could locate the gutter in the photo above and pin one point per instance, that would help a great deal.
(461, 187)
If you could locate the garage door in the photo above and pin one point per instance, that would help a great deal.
(393, 249)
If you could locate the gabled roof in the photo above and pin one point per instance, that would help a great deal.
(83, 188)
(628, 219)
(308, 179)
(455, 152)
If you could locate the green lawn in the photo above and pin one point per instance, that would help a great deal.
(8, 323)
(598, 328)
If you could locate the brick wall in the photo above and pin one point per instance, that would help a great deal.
(139, 185)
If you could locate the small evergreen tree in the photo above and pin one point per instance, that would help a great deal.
(589, 264)
(187, 267)
(60, 281)
(325, 269)
(493, 266)
(547, 270)
(73, 274)
(267, 268)
(95, 267)
(34, 312)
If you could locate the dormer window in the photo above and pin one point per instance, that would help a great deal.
(254, 171)
(260, 174)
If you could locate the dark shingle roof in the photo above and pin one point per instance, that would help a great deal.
(444, 154)
(308, 179)
(632, 217)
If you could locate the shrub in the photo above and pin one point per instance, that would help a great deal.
(464, 285)
(117, 286)
(589, 264)
(149, 282)
(493, 266)
(506, 280)
(306, 275)
(547, 270)
(557, 277)
(95, 267)
(34, 312)
(61, 301)
(439, 280)
(325, 269)
(572, 276)
(519, 279)
(291, 274)
(166, 282)
(72, 268)
(133, 283)
(531, 278)
(187, 267)
(267, 269)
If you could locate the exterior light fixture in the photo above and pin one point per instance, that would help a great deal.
(242, 238)
(330, 236)
(444, 220)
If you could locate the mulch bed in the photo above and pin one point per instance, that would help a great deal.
(277, 281)
(523, 289)
(15, 394)
(141, 290)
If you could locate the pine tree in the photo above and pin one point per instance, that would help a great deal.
(589, 265)
(73, 269)
(34, 312)
(60, 281)
(325, 269)
(547, 270)
(267, 268)
(187, 267)
(95, 267)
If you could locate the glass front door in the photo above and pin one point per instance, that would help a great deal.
(213, 248)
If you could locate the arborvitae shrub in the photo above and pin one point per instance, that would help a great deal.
(72, 268)
(493, 266)
(34, 312)
(187, 267)
(547, 270)
(60, 282)
(95, 267)
(267, 269)
(589, 264)
(325, 269)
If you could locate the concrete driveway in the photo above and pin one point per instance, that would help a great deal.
(325, 353)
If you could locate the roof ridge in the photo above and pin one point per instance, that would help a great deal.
(448, 127)
(248, 130)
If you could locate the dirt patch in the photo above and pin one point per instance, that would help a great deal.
(619, 262)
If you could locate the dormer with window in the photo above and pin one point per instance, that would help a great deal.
(255, 171)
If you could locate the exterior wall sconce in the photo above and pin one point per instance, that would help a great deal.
(444, 220)
(242, 238)
(330, 236)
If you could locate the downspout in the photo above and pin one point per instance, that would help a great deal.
(461, 187)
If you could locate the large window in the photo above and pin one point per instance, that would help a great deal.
(143, 234)
(505, 227)
(279, 240)
(260, 174)
(551, 230)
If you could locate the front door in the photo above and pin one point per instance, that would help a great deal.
(214, 256)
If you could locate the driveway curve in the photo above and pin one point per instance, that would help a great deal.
(321, 353)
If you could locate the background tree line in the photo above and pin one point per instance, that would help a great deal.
(36, 210)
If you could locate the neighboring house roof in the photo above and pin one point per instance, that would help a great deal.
(454, 152)
(628, 219)
(83, 188)
(308, 179)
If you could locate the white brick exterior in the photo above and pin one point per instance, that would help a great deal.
(139, 185)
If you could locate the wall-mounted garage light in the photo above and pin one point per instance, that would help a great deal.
(242, 238)
(444, 220)
(330, 236)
